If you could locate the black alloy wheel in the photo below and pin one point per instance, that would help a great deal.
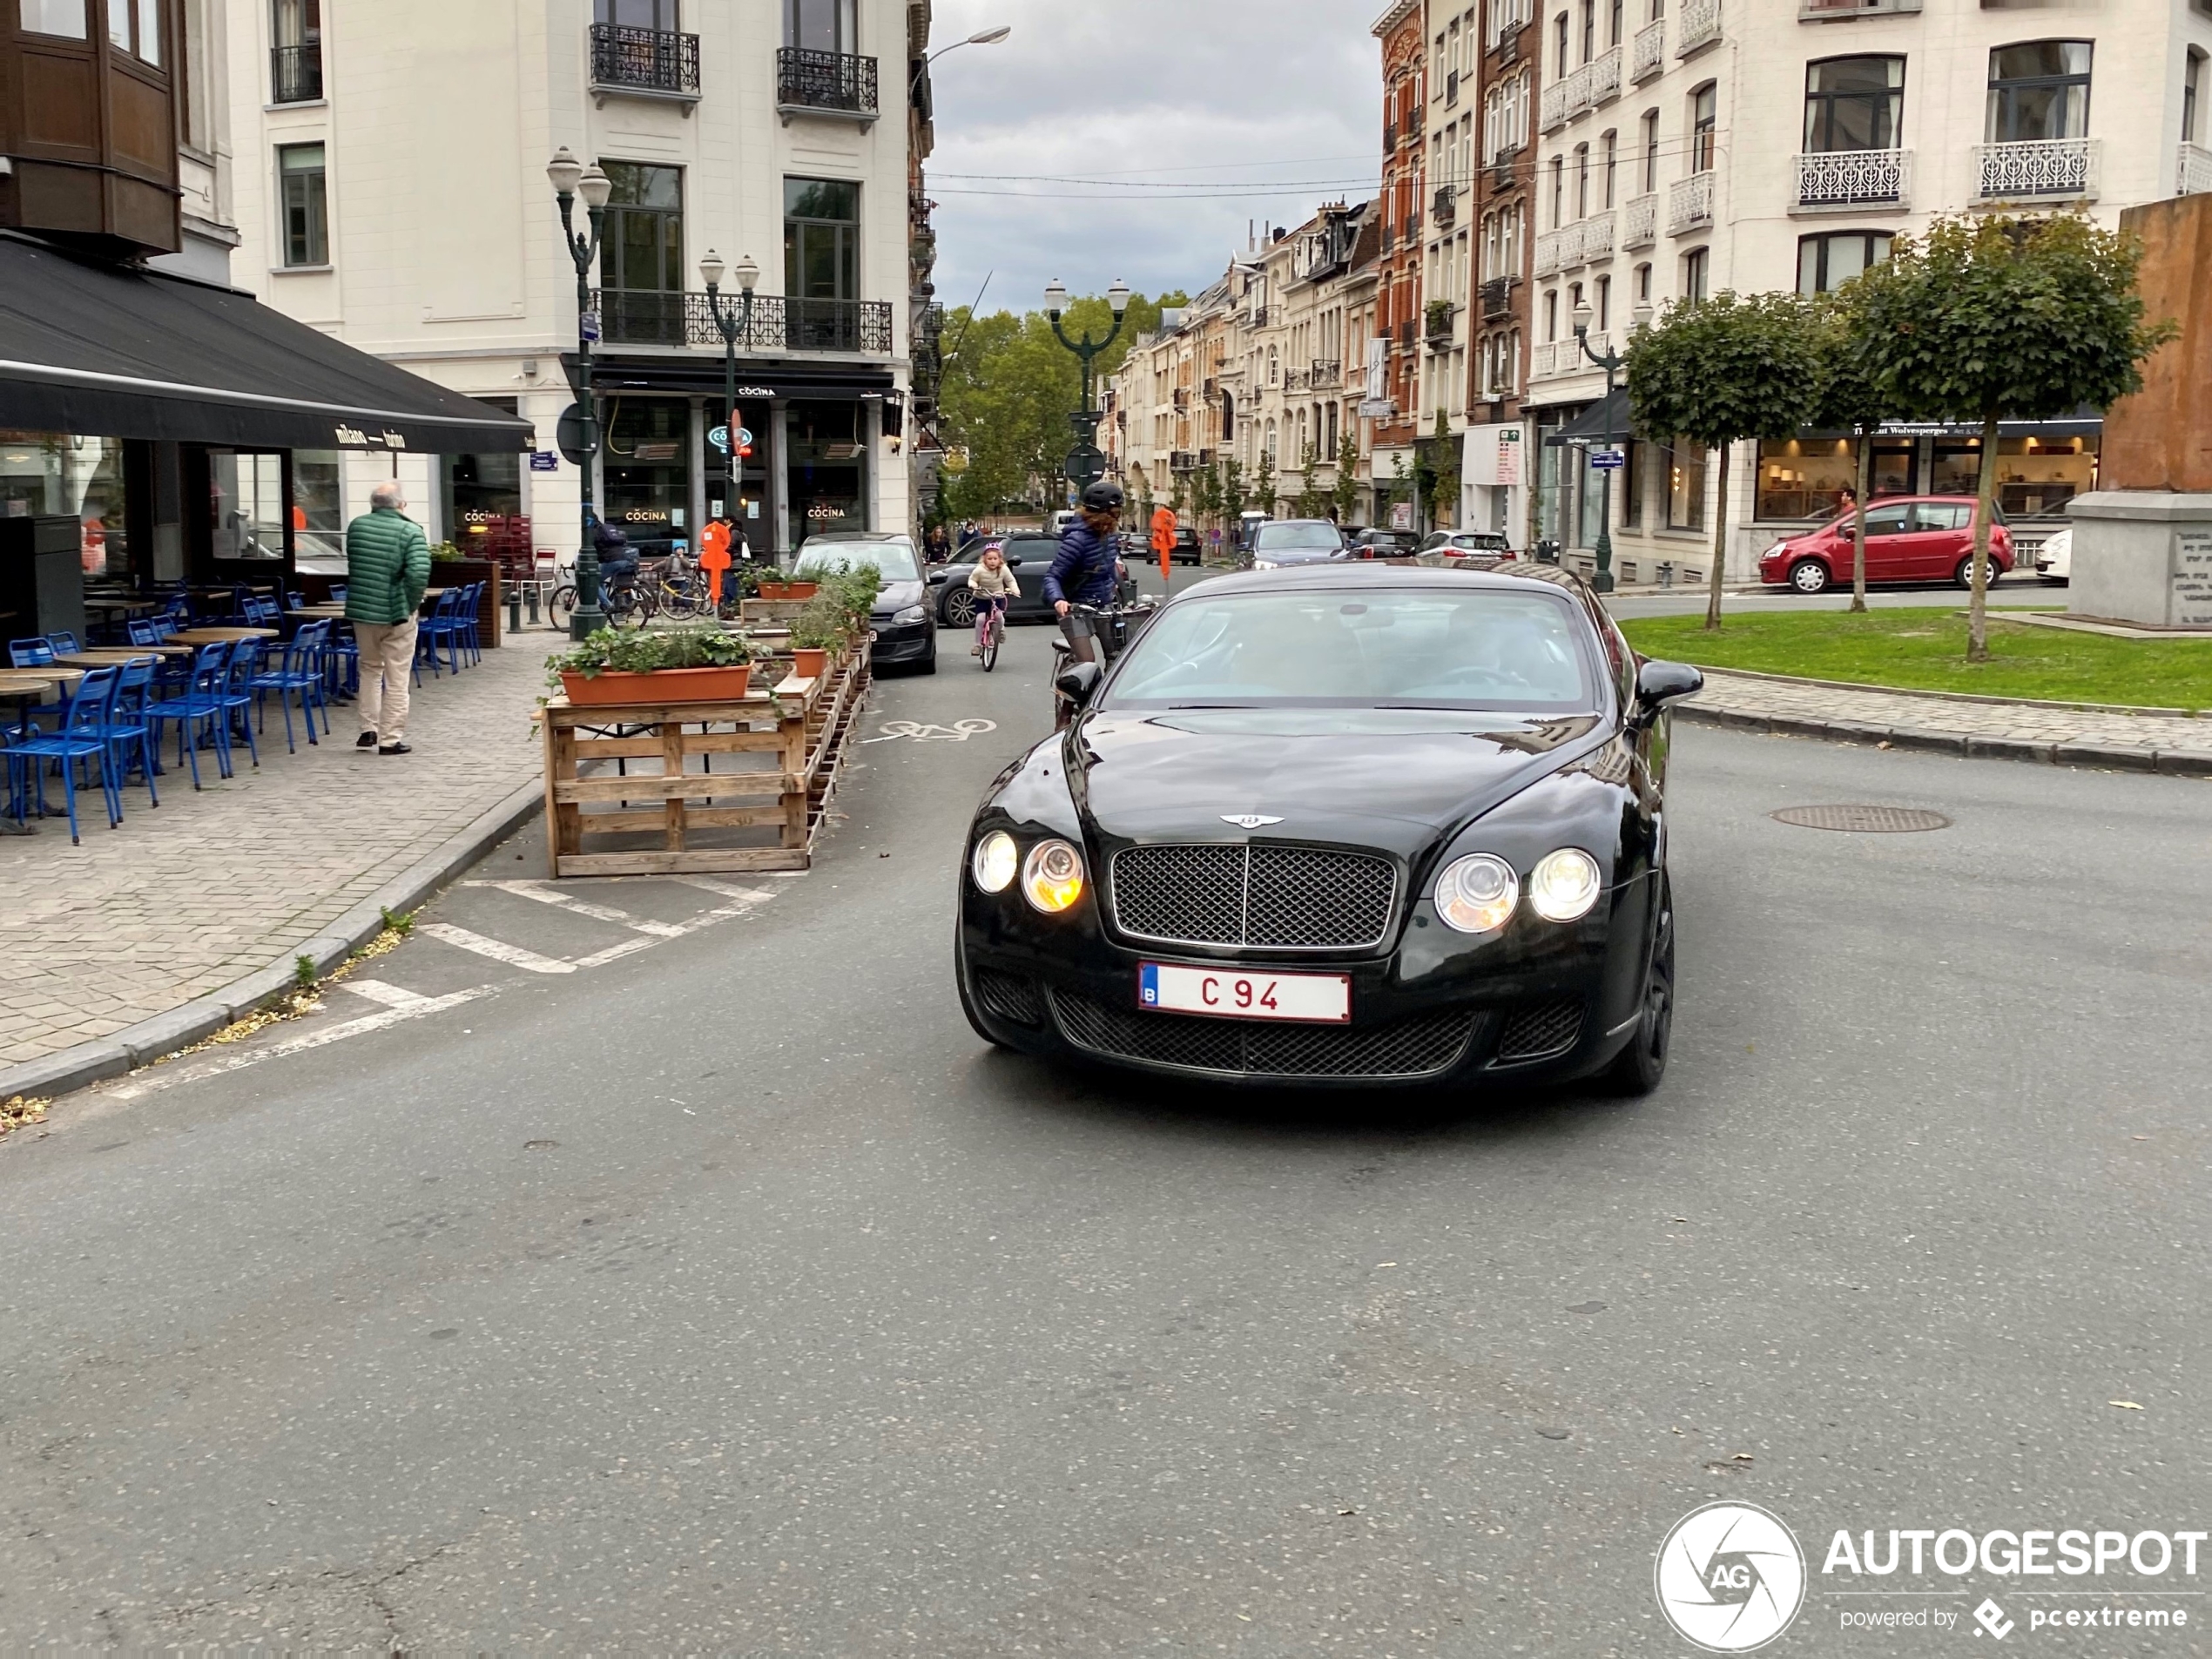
(1809, 576)
(958, 610)
(1644, 1063)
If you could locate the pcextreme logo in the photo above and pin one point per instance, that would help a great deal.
(1729, 1577)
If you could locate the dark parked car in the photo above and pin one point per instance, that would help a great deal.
(905, 635)
(1351, 825)
(1280, 543)
(1028, 555)
(1384, 544)
(1909, 538)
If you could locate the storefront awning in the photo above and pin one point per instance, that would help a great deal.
(102, 350)
(1591, 426)
(702, 373)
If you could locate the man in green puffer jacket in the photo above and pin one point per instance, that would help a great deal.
(387, 570)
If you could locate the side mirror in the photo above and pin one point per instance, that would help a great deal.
(1078, 683)
(937, 579)
(1659, 684)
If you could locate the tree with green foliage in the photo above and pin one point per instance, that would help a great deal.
(1850, 399)
(1312, 500)
(1263, 485)
(1345, 495)
(1444, 474)
(1205, 494)
(1716, 371)
(1984, 318)
(1008, 389)
(1232, 489)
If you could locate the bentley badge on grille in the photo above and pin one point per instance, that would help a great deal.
(1249, 820)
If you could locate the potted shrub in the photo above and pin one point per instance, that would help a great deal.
(815, 633)
(853, 589)
(775, 584)
(637, 665)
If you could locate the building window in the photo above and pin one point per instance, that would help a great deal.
(1650, 151)
(1636, 457)
(1704, 117)
(1581, 181)
(642, 263)
(65, 18)
(295, 54)
(1644, 284)
(133, 26)
(1853, 104)
(1559, 43)
(1590, 30)
(1551, 315)
(822, 259)
(1611, 145)
(1826, 262)
(303, 195)
(1693, 266)
(1604, 286)
(1686, 488)
(1559, 191)
(659, 16)
(2192, 78)
(2038, 89)
(821, 25)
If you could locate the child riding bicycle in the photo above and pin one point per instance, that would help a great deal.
(994, 586)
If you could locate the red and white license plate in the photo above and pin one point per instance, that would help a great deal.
(1318, 999)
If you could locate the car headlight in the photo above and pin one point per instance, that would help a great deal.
(1476, 895)
(1052, 876)
(910, 615)
(995, 862)
(1565, 885)
(1263, 564)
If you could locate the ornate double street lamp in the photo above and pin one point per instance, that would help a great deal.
(1610, 361)
(570, 180)
(734, 323)
(1086, 462)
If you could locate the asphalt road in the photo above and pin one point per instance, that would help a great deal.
(730, 1296)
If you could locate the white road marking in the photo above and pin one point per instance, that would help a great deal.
(513, 956)
(546, 894)
(216, 1065)
(958, 732)
(614, 953)
(727, 889)
(377, 990)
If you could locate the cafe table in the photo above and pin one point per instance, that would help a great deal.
(220, 636)
(23, 687)
(116, 656)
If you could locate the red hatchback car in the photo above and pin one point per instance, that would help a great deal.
(1909, 538)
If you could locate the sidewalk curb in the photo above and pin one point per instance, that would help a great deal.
(2135, 709)
(2097, 756)
(137, 1045)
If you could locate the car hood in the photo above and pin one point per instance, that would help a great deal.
(1401, 780)
(897, 595)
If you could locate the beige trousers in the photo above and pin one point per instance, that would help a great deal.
(387, 666)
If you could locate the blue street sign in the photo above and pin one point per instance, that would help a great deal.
(544, 461)
(1608, 460)
(587, 325)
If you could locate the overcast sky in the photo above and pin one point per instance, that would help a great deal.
(1247, 111)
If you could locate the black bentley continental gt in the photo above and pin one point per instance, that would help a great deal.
(1351, 825)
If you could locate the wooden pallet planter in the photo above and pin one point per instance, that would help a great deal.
(591, 790)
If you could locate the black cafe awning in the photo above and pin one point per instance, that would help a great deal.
(617, 372)
(103, 350)
(1591, 426)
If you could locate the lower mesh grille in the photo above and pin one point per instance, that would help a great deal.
(1417, 1046)
(1539, 1030)
(1009, 996)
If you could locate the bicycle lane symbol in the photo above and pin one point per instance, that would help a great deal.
(958, 732)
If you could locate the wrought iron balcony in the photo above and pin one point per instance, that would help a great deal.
(1440, 313)
(1640, 220)
(1701, 26)
(2193, 173)
(1648, 52)
(838, 83)
(1846, 178)
(1182, 460)
(1689, 203)
(1497, 298)
(644, 60)
(651, 317)
(1445, 209)
(295, 74)
(2044, 169)
(1327, 372)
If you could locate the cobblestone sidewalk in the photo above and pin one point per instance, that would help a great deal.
(210, 887)
(1958, 725)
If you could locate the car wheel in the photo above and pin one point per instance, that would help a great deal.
(1963, 576)
(1644, 1063)
(1809, 576)
(959, 609)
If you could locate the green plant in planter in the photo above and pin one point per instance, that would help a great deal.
(645, 652)
(854, 588)
(821, 626)
(446, 553)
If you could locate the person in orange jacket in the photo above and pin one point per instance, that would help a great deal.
(1163, 538)
(714, 559)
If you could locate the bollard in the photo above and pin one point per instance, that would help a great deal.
(533, 604)
(514, 611)
(1666, 574)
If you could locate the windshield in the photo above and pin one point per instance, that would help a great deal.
(1275, 538)
(1409, 648)
(895, 560)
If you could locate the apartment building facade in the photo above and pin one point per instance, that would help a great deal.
(391, 190)
(1712, 144)
(1394, 377)
(1496, 470)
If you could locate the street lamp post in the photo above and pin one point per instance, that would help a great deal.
(981, 38)
(1086, 463)
(571, 178)
(733, 323)
(1610, 361)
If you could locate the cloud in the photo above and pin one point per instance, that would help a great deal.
(1247, 112)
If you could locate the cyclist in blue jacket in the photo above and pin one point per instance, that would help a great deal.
(1086, 570)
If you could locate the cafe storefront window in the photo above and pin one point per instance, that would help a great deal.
(2036, 476)
(245, 505)
(318, 511)
(45, 473)
(1805, 478)
(480, 491)
(828, 469)
(1686, 488)
(648, 470)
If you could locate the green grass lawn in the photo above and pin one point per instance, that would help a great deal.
(1925, 650)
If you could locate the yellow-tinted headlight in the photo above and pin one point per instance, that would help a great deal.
(1565, 885)
(997, 862)
(1476, 895)
(1052, 876)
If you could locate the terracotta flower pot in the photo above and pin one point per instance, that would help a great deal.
(789, 590)
(668, 685)
(808, 663)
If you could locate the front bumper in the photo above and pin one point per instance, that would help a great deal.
(1540, 1003)
(913, 641)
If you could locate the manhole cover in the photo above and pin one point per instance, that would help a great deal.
(1863, 821)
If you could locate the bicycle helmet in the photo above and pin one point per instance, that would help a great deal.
(1104, 496)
